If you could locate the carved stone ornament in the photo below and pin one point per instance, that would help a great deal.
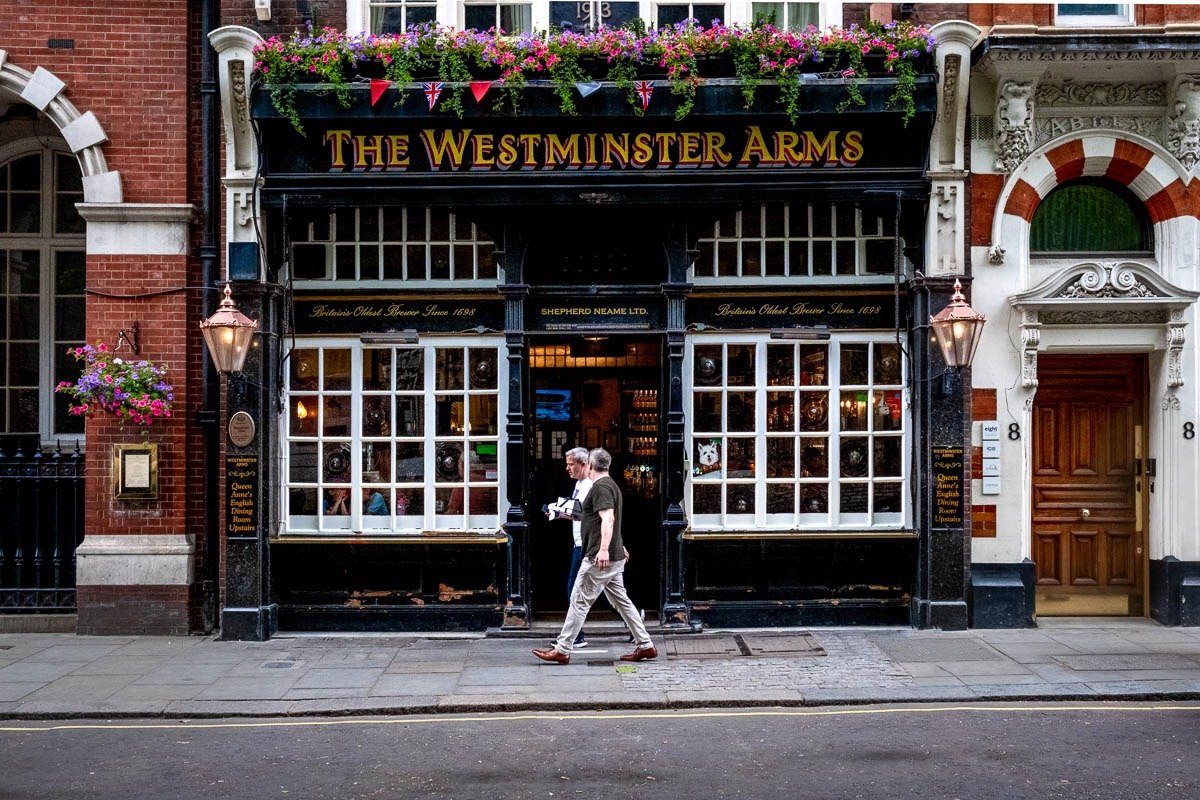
(1170, 402)
(1091, 95)
(996, 254)
(953, 64)
(946, 258)
(1014, 124)
(1183, 126)
(1110, 294)
(1048, 127)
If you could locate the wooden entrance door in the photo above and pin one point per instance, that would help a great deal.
(1087, 420)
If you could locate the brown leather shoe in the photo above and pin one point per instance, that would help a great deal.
(641, 654)
(554, 657)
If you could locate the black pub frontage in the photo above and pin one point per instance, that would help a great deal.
(730, 304)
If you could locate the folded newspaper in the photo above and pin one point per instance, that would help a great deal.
(565, 508)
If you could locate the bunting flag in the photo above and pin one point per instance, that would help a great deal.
(378, 87)
(587, 87)
(479, 89)
(644, 89)
(433, 90)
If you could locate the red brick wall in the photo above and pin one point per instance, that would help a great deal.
(985, 14)
(285, 17)
(132, 610)
(985, 193)
(129, 66)
(983, 517)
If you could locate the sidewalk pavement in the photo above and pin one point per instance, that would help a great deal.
(61, 675)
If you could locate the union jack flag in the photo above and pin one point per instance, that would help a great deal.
(644, 89)
(433, 91)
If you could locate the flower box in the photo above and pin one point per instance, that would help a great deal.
(764, 66)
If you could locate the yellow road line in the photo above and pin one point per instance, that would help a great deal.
(599, 716)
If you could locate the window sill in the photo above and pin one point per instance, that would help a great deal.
(374, 537)
(692, 535)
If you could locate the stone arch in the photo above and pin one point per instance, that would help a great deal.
(1143, 166)
(83, 133)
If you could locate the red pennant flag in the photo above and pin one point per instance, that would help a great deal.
(378, 87)
(479, 89)
(644, 89)
(433, 91)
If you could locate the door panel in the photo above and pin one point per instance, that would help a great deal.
(1085, 538)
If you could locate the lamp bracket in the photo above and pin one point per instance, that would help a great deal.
(130, 337)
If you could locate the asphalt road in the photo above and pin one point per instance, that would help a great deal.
(1044, 751)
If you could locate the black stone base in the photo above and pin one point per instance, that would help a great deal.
(784, 614)
(249, 624)
(384, 619)
(1175, 591)
(942, 615)
(1002, 595)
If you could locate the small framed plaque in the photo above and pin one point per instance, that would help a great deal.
(135, 471)
(241, 429)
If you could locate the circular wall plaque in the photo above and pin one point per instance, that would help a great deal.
(241, 429)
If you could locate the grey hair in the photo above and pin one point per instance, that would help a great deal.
(600, 459)
(577, 454)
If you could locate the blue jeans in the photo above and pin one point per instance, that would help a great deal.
(572, 574)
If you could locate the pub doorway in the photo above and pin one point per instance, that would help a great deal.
(595, 391)
(1089, 479)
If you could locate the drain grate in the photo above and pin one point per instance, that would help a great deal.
(740, 645)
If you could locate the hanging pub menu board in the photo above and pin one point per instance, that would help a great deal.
(947, 487)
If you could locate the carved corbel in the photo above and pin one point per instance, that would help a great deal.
(995, 254)
(1183, 121)
(1031, 337)
(1014, 124)
(1175, 339)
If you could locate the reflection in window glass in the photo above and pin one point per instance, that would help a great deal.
(409, 445)
(775, 445)
(42, 303)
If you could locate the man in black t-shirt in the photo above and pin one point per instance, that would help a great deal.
(603, 568)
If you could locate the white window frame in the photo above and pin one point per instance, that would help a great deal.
(354, 525)
(703, 275)
(49, 244)
(449, 12)
(460, 275)
(1121, 19)
(833, 519)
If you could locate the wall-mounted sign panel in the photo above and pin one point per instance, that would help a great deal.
(833, 307)
(379, 313)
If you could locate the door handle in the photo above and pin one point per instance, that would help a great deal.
(1085, 512)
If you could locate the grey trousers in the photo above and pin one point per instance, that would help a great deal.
(590, 582)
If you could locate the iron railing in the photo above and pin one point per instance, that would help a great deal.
(41, 524)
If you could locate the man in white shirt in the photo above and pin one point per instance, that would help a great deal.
(577, 468)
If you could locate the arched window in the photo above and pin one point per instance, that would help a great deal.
(1090, 216)
(42, 257)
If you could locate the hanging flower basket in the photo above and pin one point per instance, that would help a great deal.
(136, 391)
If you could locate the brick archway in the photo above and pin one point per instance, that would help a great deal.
(1154, 177)
(83, 133)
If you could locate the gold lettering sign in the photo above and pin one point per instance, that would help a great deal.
(469, 150)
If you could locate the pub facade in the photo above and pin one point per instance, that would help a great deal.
(734, 305)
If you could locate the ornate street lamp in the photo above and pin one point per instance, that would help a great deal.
(958, 328)
(228, 333)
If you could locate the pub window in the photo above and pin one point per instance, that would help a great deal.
(431, 246)
(787, 15)
(394, 440)
(1090, 216)
(666, 14)
(42, 280)
(1093, 14)
(508, 17)
(798, 240)
(390, 16)
(795, 436)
